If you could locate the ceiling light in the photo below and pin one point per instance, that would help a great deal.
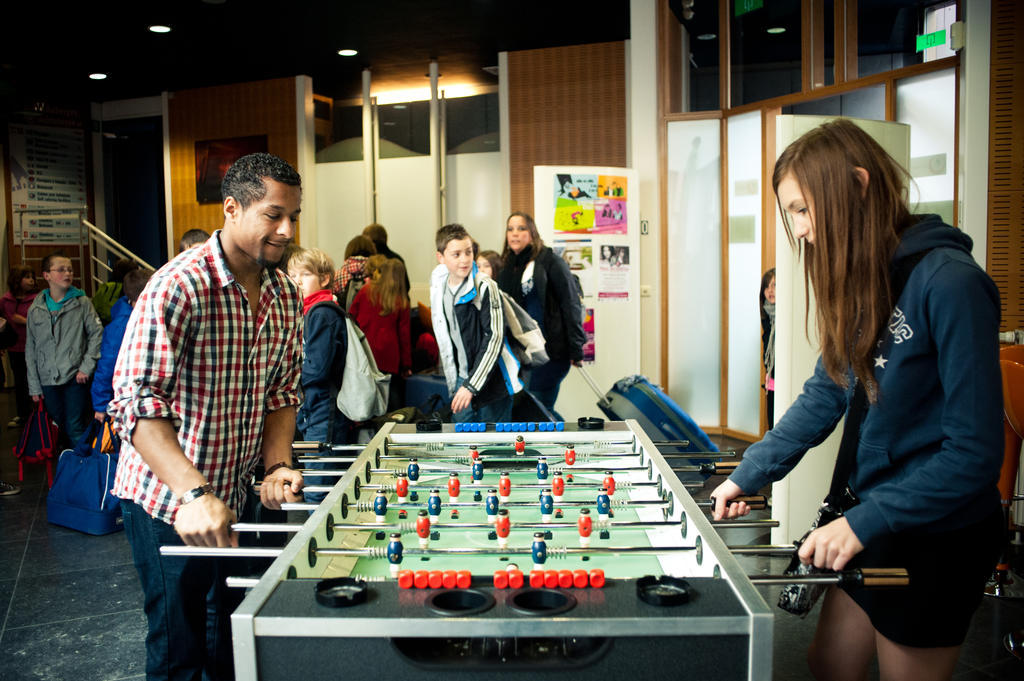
(706, 36)
(348, 53)
(98, 76)
(775, 30)
(160, 28)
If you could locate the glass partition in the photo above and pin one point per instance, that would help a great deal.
(927, 104)
(744, 187)
(695, 267)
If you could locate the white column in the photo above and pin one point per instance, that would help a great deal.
(642, 127)
(369, 151)
(974, 93)
(305, 139)
(172, 247)
(436, 152)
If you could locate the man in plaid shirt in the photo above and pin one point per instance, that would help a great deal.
(207, 383)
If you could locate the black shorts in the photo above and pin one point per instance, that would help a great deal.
(948, 571)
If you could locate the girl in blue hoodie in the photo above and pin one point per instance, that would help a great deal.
(929, 448)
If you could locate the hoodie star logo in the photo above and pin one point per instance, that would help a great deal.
(880, 361)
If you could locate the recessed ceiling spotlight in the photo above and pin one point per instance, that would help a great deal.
(98, 76)
(348, 53)
(706, 36)
(775, 30)
(160, 28)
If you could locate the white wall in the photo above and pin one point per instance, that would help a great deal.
(407, 204)
(473, 197)
(339, 203)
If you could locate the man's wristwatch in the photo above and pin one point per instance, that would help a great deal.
(195, 493)
(279, 464)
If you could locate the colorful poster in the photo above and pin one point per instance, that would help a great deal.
(574, 202)
(579, 254)
(609, 216)
(613, 269)
(612, 187)
(589, 352)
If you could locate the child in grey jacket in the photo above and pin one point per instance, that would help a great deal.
(62, 346)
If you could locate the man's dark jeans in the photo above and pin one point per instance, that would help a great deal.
(180, 643)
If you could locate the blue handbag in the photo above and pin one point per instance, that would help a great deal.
(80, 497)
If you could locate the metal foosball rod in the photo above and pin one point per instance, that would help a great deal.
(755, 502)
(312, 446)
(863, 577)
(381, 552)
(719, 468)
(763, 550)
(580, 455)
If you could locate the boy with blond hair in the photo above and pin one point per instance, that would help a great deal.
(324, 344)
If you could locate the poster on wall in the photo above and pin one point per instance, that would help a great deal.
(613, 273)
(574, 202)
(579, 254)
(214, 157)
(589, 352)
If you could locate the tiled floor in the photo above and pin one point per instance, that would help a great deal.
(70, 604)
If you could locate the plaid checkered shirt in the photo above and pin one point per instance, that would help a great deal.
(194, 354)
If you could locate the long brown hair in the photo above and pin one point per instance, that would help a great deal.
(536, 243)
(388, 292)
(856, 231)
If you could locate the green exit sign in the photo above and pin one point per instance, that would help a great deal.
(931, 40)
(744, 6)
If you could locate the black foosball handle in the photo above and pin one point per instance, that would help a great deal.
(756, 502)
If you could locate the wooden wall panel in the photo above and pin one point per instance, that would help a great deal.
(567, 106)
(1006, 163)
(260, 108)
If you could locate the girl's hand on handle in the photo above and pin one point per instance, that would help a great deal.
(723, 493)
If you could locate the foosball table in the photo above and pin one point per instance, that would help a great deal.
(519, 555)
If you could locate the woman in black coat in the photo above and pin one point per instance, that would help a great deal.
(542, 284)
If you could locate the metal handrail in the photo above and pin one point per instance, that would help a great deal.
(96, 236)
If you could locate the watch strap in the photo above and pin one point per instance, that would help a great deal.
(195, 493)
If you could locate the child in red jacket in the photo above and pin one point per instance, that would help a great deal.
(381, 309)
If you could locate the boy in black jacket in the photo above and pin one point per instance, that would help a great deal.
(481, 371)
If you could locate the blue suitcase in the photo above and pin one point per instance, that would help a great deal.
(635, 397)
(426, 392)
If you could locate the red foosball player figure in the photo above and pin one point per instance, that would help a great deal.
(570, 456)
(585, 525)
(402, 486)
(502, 526)
(423, 528)
(504, 486)
(453, 487)
(558, 486)
(520, 444)
(609, 483)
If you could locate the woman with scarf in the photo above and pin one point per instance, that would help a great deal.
(767, 304)
(542, 284)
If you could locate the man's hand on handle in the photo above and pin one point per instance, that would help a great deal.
(281, 486)
(206, 521)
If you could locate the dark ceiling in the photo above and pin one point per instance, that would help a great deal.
(49, 49)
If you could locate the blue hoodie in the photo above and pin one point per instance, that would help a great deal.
(931, 448)
(113, 334)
